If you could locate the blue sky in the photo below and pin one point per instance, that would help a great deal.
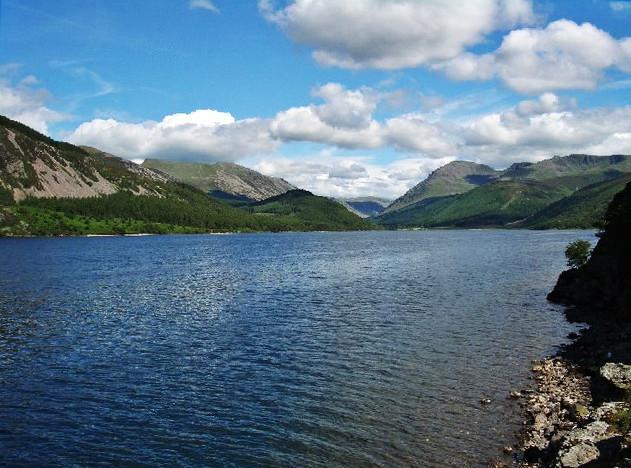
(344, 98)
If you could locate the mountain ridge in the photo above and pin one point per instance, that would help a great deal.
(223, 178)
(510, 197)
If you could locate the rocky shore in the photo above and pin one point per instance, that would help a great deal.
(579, 413)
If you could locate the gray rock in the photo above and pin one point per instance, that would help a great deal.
(618, 375)
(606, 410)
(578, 455)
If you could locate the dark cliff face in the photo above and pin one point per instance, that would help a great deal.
(602, 288)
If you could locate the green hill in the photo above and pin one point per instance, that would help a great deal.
(508, 197)
(450, 179)
(496, 204)
(583, 209)
(306, 211)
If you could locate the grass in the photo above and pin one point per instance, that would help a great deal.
(622, 421)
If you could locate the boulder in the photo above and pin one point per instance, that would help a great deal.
(578, 455)
(619, 375)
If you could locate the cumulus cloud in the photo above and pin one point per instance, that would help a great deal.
(412, 133)
(395, 34)
(343, 176)
(205, 135)
(345, 119)
(564, 55)
(23, 102)
(538, 129)
(391, 34)
(203, 5)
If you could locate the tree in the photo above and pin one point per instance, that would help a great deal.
(577, 253)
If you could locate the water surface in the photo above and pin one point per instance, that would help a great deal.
(321, 349)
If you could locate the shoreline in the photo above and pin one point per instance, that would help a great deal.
(575, 412)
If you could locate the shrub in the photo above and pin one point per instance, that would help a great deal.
(577, 253)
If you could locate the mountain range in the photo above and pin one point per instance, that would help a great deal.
(51, 187)
(54, 188)
(561, 192)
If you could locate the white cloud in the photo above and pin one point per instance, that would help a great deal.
(412, 133)
(26, 104)
(391, 34)
(346, 120)
(203, 5)
(205, 135)
(535, 130)
(342, 176)
(564, 55)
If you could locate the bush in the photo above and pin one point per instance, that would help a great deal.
(577, 253)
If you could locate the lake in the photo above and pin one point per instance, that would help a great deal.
(314, 349)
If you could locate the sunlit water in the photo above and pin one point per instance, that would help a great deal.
(274, 349)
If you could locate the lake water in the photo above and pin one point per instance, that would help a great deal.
(319, 349)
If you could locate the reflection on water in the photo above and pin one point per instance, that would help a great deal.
(275, 349)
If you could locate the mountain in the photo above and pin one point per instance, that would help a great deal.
(584, 168)
(450, 179)
(585, 208)
(496, 204)
(53, 188)
(365, 207)
(513, 197)
(225, 181)
(33, 165)
(307, 211)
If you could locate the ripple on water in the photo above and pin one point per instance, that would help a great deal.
(288, 349)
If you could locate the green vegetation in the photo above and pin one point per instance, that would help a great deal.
(193, 212)
(305, 211)
(28, 220)
(6, 197)
(577, 253)
(583, 209)
(622, 421)
(450, 179)
(561, 192)
(496, 204)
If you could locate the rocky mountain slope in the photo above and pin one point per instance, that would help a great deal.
(33, 165)
(223, 180)
(482, 197)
